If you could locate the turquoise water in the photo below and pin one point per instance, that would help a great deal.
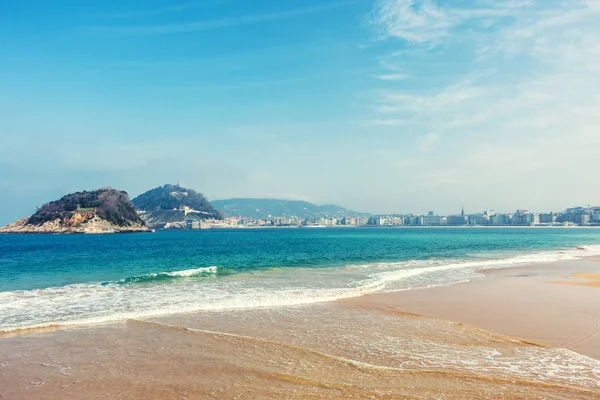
(72, 279)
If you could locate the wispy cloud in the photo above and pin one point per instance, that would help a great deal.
(392, 77)
(415, 21)
(424, 21)
(521, 105)
(205, 25)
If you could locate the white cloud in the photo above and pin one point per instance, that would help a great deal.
(521, 117)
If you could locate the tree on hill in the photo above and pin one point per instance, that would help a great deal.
(107, 203)
(170, 197)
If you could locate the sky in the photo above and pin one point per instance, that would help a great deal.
(376, 105)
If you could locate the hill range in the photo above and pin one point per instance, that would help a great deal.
(265, 208)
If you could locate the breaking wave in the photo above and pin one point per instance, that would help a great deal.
(190, 290)
(165, 276)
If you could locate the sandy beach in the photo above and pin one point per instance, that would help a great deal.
(555, 304)
(519, 333)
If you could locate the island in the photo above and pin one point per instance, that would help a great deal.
(105, 210)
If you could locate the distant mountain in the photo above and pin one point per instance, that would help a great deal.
(105, 210)
(263, 208)
(173, 205)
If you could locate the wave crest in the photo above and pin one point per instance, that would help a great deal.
(166, 276)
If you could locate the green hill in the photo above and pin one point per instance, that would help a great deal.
(263, 208)
(173, 204)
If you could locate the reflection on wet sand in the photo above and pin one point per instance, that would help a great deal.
(332, 350)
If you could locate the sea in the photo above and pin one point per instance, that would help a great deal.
(50, 280)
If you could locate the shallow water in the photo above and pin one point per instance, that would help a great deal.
(74, 280)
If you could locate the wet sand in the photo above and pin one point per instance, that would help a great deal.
(367, 347)
(556, 304)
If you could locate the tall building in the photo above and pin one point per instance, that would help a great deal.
(577, 215)
(595, 215)
(574, 218)
(434, 220)
(479, 219)
(457, 220)
(499, 219)
(548, 218)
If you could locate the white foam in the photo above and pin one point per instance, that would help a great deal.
(97, 303)
(517, 260)
(186, 273)
(192, 272)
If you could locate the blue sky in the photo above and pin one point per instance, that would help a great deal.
(382, 106)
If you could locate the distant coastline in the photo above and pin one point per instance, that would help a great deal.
(402, 227)
(172, 206)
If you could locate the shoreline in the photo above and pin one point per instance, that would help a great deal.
(542, 303)
(232, 228)
(481, 273)
(309, 228)
(396, 298)
(379, 345)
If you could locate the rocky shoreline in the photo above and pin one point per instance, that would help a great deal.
(90, 225)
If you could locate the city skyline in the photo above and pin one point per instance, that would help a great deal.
(576, 216)
(376, 105)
